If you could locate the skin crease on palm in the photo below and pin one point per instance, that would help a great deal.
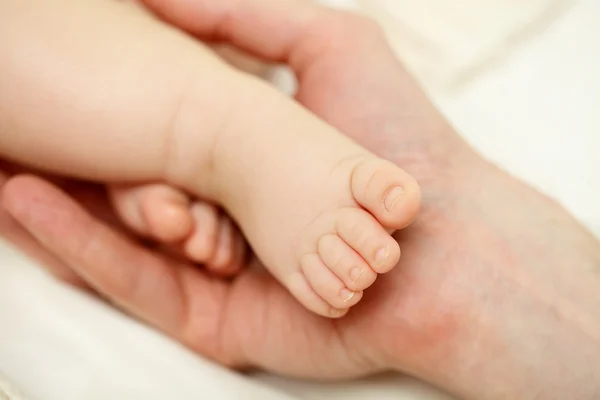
(496, 295)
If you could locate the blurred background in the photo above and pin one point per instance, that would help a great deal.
(517, 78)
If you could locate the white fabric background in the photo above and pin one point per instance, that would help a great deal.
(536, 112)
(445, 42)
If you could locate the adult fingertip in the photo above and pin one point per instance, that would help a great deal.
(16, 191)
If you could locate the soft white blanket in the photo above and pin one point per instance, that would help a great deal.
(447, 42)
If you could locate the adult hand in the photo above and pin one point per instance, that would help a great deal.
(92, 196)
(486, 285)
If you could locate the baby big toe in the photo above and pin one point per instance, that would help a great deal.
(365, 235)
(386, 191)
(168, 222)
(155, 210)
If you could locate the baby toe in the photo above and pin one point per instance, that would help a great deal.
(223, 261)
(202, 244)
(365, 235)
(345, 263)
(389, 193)
(299, 286)
(240, 253)
(327, 285)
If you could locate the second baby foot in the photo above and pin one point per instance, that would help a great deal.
(199, 229)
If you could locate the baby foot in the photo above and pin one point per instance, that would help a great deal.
(317, 209)
(169, 216)
(347, 246)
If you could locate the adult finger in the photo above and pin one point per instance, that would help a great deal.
(13, 232)
(348, 74)
(296, 32)
(225, 321)
(174, 298)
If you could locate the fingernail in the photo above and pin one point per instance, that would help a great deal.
(355, 274)
(392, 197)
(346, 295)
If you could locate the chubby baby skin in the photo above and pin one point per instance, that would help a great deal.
(315, 207)
(339, 251)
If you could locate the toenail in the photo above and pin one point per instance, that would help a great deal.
(336, 312)
(346, 295)
(381, 256)
(355, 274)
(392, 196)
